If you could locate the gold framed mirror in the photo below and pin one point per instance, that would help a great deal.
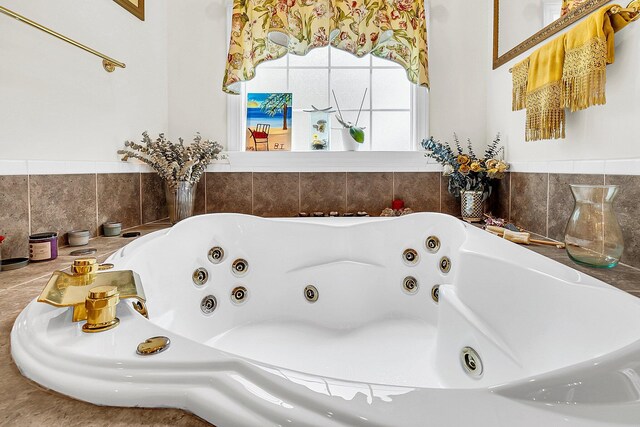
(519, 25)
(135, 7)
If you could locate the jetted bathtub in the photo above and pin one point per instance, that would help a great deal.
(421, 320)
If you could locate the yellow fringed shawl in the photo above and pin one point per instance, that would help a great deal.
(545, 113)
(519, 74)
(589, 48)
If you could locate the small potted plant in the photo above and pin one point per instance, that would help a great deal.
(180, 166)
(470, 177)
(352, 135)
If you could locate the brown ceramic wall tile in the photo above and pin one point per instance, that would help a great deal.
(627, 209)
(419, 190)
(448, 204)
(276, 194)
(529, 201)
(561, 200)
(498, 203)
(323, 192)
(154, 202)
(14, 216)
(229, 192)
(63, 203)
(119, 199)
(201, 190)
(369, 191)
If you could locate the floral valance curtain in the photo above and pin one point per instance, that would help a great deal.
(263, 30)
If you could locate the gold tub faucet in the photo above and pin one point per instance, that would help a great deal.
(94, 293)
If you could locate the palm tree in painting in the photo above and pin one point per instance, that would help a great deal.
(276, 103)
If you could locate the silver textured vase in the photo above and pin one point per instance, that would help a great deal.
(181, 200)
(472, 208)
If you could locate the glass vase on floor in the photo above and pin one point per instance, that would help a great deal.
(472, 206)
(181, 200)
(593, 236)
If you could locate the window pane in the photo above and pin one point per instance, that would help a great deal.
(340, 58)
(391, 131)
(349, 86)
(268, 80)
(309, 86)
(299, 130)
(318, 57)
(391, 89)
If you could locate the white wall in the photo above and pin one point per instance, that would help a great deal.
(458, 64)
(197, 52)
(602, 132)
(57, 102)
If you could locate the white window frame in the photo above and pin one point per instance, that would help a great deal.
(412, 160)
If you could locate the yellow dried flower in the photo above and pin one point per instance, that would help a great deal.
(464, 169)
(463, 159)
(476, 167)
(492, 172)
(491, 163)
(502, 166)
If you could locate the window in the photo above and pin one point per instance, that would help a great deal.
(395, 111)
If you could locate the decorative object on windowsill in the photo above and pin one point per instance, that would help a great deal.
(352, 135)
(180, 166)
(320, 127)
(470, 177)
(269, 121)
(593, 235)
(568, 72)
(265, 30)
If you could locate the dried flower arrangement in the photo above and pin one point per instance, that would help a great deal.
(173, 162)
(466, 171)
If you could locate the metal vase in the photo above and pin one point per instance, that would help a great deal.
(181, 199)
(472, 207)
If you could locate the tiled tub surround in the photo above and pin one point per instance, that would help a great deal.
(542, 203)
(38, 203)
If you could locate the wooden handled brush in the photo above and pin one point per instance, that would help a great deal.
(521, 237)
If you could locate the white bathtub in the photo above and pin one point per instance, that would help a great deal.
(557, 348)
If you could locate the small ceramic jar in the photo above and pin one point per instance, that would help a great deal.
(43, 246)
(112, 228)
(78, 237)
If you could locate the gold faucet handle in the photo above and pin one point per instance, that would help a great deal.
(101, 309)
(88, 266)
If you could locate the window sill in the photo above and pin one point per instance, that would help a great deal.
(326, 161)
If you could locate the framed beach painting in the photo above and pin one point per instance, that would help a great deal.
(135, 7)
(269, 121)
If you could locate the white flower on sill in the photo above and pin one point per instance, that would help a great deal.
(448, 170)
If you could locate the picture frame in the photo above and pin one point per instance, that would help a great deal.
(135, 7)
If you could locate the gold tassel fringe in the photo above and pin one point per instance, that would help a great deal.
(584, 75)
(520, 74)
(545, 114)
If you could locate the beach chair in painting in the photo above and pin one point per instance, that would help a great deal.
(260, 135)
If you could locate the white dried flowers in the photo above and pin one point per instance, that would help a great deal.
(173, 162)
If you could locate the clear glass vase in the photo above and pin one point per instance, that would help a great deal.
(593, 235)
(181, 199)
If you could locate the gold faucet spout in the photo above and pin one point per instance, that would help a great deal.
(76, 289)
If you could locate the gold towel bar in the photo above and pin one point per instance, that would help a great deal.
(633, 8)
(108, 63)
